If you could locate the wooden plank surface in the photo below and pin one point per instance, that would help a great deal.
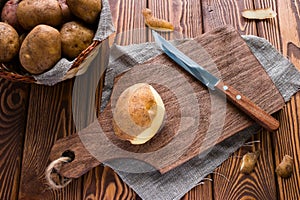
(217, 13)
(203, 191)
(238, 186)
(49, 117)
(260, 184)
(287, 139)
(13, 109)
(289, 28)
(45, 124)
(102, 182)
(244, 70)
(185, 15)
(269, 29)
(286, 142)
(188, 22)
(283, 33)
(128, 21)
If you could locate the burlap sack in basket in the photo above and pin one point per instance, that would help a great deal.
(65, 69)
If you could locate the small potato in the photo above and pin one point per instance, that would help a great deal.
(9, 42)
(9, 14)
(66, 12)
(34, 12)
(87, 10)
(75, 38)
(41, 49)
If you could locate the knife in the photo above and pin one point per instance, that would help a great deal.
(238, 99)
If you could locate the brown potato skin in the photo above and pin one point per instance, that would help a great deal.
(34, 12)
(9, 14)
(75, 38)
(41, 49)
(87, 10)
(9, 42)
(66, 12)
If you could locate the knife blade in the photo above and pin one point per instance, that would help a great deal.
(214, 83)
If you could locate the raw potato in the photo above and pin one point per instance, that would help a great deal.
(31, 13)
(259, 13)
(87, 10)
(9, 42)
(155, 23)
(75, 38)
(9, 14)
(285, 168)
(41, 49)
(139, 114)
(249, 161)
(66, 12)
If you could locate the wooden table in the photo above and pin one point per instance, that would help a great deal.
(33, 117)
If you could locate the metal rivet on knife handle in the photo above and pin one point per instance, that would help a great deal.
(246, 105)
(212, 82)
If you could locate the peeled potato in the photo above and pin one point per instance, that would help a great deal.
(138, 114)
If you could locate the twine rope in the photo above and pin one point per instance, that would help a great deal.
(52, 169)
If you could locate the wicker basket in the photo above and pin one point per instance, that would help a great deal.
(13, 71)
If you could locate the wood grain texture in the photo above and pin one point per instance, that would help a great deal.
(129, 22)
(260, 184)
(266, 96)
(248, 107)
(126, 16)
(213, 17)
(217, 13)
(49, 118)
(269, 28)
(13, 109)
(283, 33)
(185, 15)
(203, 191)
(107, 185)
(289, 24)
(286, 142)
(86, 99)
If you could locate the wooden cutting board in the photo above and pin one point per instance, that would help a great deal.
(221, 51)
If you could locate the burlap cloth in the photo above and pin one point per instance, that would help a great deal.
(177, 182)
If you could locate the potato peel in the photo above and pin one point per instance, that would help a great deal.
(155, 23)
(285, 168)
(249, 161)
(259, 14)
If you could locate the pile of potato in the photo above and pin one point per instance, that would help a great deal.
(40, 32)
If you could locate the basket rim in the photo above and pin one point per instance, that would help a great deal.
(28, 78)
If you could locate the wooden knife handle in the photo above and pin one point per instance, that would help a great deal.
(251, 109)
